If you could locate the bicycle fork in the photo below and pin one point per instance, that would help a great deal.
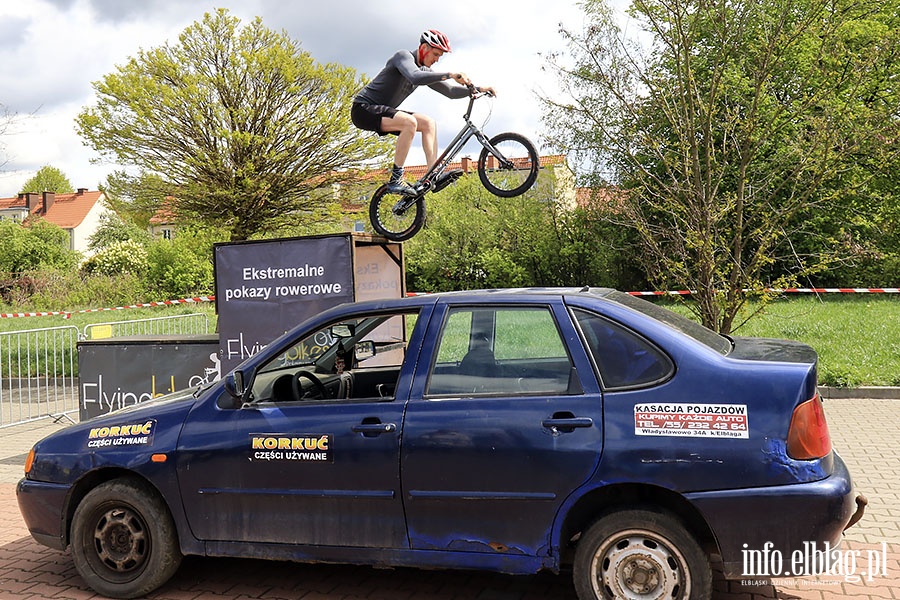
(503, 162)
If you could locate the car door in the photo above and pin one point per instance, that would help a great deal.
(503, 424)
(300, 470)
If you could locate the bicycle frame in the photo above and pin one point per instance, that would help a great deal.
(468, 131)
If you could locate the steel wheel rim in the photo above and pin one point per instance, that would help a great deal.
(393, 217)
(120, 543)
(639, 565)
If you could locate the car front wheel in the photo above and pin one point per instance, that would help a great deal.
(644, 554)
(123, 540)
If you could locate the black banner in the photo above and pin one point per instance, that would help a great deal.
(265, 288)
(119, 372)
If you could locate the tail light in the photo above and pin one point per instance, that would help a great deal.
(808, 436)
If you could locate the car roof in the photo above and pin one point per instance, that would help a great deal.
(529, 291)
(422, 299)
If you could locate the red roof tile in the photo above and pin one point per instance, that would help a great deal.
(466, 164)
(66, 210)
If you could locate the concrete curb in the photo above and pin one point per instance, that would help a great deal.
(868, 392)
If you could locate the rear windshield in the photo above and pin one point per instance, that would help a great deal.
(704, 335)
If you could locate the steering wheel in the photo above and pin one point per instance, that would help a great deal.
(317, 383)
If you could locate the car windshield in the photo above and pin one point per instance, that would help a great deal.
(704, 335)
(321, 347)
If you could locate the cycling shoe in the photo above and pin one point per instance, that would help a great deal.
(401, 187)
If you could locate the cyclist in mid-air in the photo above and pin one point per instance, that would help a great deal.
(375, 106)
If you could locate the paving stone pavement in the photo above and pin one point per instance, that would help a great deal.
(866, 432)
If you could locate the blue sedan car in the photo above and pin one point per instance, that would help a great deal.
(509, 430)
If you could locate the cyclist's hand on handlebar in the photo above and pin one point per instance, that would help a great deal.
(461, 78)
(474, 89)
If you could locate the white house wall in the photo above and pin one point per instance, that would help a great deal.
(82, 233)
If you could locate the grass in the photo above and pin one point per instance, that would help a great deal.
(80, 320)
(857, 336)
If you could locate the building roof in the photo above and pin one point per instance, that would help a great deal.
(609, 198)
(468, 164)
(66, 210)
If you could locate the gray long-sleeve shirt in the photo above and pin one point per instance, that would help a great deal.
(400, 76)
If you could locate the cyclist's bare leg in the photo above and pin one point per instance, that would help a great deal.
(428, 128)
(405, 126)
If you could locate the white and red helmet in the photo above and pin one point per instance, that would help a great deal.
(435, 39)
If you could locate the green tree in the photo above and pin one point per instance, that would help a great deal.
(473, 239)
(48, 179)
(729, 128)
(112, 229)
(233, 126)
(462, 245)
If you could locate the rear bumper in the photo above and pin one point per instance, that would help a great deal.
(43, 507)
(780, 522)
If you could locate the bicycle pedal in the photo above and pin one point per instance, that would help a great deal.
(446, 179)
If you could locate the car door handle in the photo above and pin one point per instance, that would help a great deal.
(567, 424)
(371, 429)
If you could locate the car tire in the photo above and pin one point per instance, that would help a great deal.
(640, 554)
(124, 541)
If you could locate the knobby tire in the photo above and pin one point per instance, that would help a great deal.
(395, 227)
(509, 182)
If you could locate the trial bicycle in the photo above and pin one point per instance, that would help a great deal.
(507, 167)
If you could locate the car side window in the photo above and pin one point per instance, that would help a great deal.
(623, 358)
(503, 350)
(354, 359)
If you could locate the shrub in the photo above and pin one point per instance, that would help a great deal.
(35, 245)
(182, 266)
(117, 259)
(74, 290)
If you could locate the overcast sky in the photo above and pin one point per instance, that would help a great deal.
(51, 51)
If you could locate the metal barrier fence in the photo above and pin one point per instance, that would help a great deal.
(192, 324)
(38, 374)
(39, 367)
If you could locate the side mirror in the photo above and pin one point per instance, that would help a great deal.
(237, 383)
(234, 388)
(364, 350)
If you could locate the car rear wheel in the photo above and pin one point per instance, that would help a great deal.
(124, 541)
(640, 554)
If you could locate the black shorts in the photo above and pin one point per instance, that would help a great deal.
(368, 116)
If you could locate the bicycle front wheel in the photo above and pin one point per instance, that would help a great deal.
(394, 217)
(510, 166)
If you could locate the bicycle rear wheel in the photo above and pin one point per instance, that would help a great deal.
(516, 172)
(391, 219)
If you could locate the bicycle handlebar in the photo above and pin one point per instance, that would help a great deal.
(475, 92)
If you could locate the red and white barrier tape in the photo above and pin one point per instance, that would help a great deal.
(33, 314)
(787, 291)
(68, 314)
(199, 299)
